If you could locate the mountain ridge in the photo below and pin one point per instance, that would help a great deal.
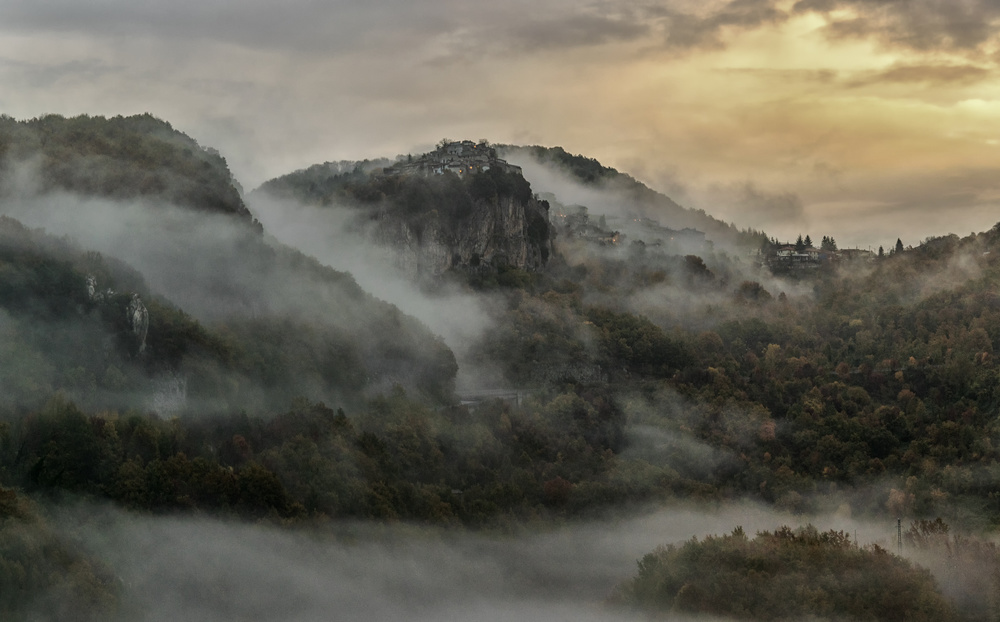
(633, 196)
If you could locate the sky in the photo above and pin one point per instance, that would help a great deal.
(866, 120)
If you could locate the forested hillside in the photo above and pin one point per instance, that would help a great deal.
(120, 158)
(880, 377)
(234, 320)
(162, 357)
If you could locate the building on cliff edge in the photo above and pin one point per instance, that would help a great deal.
(459, 157)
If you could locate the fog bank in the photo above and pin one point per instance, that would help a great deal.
(202, 569)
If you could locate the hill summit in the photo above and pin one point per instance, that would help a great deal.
(459, 207)
(458, 157)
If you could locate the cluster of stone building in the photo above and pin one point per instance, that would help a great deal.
(810, 258)
(460, 158)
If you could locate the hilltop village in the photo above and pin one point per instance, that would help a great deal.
(802, 255)
(458, 157)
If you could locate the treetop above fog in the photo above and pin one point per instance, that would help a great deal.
(120, 158)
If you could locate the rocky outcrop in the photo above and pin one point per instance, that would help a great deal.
(138, 318)
(499, 232)
(136, 314)
(459, 207)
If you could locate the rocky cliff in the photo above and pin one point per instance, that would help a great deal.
(501, 231)
(448, 210)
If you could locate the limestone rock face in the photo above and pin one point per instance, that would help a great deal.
(136, 314)
(138, 317)
(498, 232)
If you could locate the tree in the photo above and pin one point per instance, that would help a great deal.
(735, 576)
(800, 245)
(828, 244)
(881, 252)
(808, 241)
(899, 245)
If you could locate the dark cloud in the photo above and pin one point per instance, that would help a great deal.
(689, 31)
(521, 29)
(917, 24)
(342, 25)
(295, 24)
(578, 30)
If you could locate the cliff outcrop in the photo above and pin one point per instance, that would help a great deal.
(457, 208)
(498, 232)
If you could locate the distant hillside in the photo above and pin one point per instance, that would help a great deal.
(631, 195)
(121, 158)
(323, 184)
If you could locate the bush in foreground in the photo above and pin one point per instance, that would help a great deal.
(782, 575)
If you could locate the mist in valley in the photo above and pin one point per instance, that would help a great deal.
(343, 238)
(192, 568)
(224, 273)
(670, 288)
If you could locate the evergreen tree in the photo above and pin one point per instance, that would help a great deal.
(800, 245)
(808, 242)
(881, 252)
(899, 245)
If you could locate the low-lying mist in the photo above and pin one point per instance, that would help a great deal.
(221, 271)
(341, 237)
(191, 568)
(617, 195)
(202, 262)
